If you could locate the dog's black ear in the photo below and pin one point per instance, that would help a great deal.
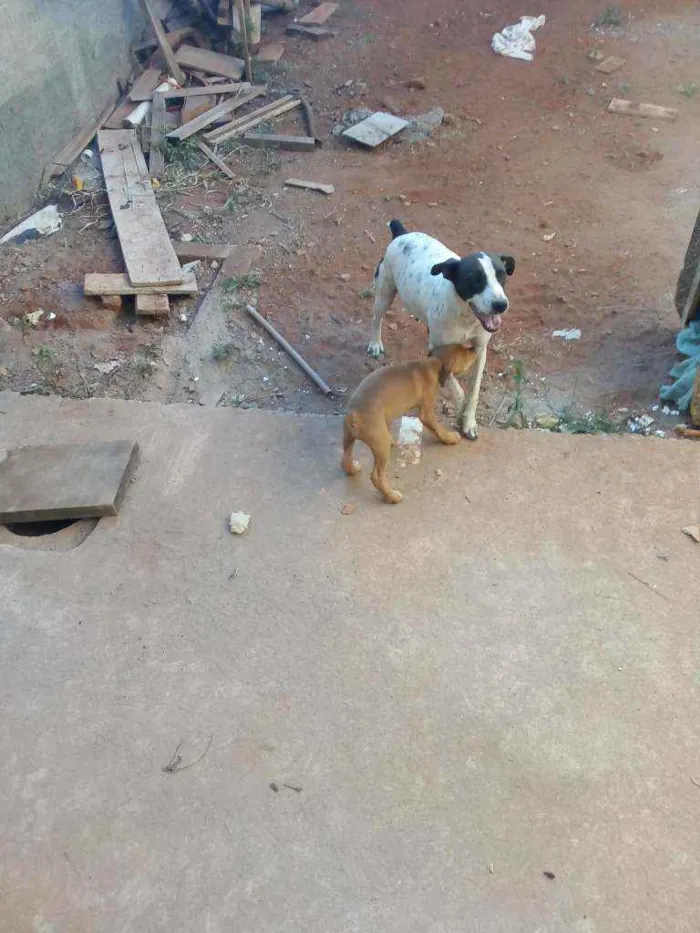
(509, 263)
(448, 269)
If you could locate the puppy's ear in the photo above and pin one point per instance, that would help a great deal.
(448, 269)
(509, 263)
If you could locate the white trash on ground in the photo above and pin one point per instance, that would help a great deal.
(517, 41)
(410, 436)
(238, 522)
(45, 222)
(573, 333)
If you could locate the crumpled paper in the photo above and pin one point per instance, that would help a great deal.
(517, 41)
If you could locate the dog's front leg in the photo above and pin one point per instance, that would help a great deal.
(457, 392)
(466, 417)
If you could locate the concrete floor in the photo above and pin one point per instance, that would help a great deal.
(462, 692)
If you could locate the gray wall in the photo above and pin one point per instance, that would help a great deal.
(59, 63)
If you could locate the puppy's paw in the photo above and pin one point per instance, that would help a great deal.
(353, 467)
(376, 349)
(393, 496)
(452, 437)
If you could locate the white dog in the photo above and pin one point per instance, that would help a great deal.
(461, 300)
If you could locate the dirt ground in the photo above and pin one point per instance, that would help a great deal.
(596, 207)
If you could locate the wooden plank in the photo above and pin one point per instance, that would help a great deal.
(376, 129)
(156, 161)
(116, 119)
(68, 481)
(254, 19)
(190, 252)
(279, 141)
(213, 157)
(117, 283)
(236, 127)
(632, 109)
(211, 62)
(152, 305)
(148, 253)
(610, 64)
(195, 107)
(215, 113)
(223, 17)
(310, 185)
(317, 33)
(70, 152)
(233, 87)
(319, 16)
(145, 85)
(163, 44)
(271, 52)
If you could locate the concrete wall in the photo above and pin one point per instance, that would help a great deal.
(59, 64)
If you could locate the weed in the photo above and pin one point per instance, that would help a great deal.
(144, 358)
(625, 87)
(367, 39)
(232, 203)
(688, 90)
(223, 350)
(46, 357)
(563, 80)
(366, 292)
(185, 156)
(247, 280)
(516, 412)
(572, 421)
(611, 16)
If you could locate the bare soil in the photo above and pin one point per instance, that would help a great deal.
(597, 208)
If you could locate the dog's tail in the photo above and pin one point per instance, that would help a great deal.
(397, 228)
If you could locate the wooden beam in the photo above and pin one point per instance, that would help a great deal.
(632, 109)
(278, 141)
(319, 16)
(245, 45)
(148, 253)
(145, 85)
(215, 113)
(233, 87)
(317, 33)
(211, 62)
(117, 283)
(309, 185)
(213, 157)
(190, 252)
(163, 44)
(156, 160)
(236, 127)
(152, 305)
(72, 149)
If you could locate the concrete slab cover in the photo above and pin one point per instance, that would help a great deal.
(450, 696)
(70, 481)
(376, 129)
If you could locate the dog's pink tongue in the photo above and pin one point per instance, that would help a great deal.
(494, 322)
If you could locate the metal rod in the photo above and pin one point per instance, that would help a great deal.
(299, 360)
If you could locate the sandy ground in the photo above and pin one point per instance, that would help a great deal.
(528, 151)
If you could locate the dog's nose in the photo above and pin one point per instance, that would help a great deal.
(498, 307)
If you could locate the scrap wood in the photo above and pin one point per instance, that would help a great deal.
(236, 127)
(156, 161)
(610, 64)
(152, 305)
(148, 253)
(195, 107)
(232, 87)
(299, 360)
(319, 16)
(163, 44)
(190, 252)
(117, 283)
(632, 109)
(317, 33)
(310, 185)
(210, 62)
(253, 20)
(271, 52)
(684, 431)
(115, 121)
(72, 149)
(310, 119)
(218, 162)
(145, 85)
(376, 129)
(216, 113)
(278, 141)
(242, 20)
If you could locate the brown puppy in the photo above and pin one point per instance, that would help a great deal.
(387, 393)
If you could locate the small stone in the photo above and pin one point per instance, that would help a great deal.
(393, 326)
(214, 264)
(344, 276)
(348, 509)
(449, 119)
(693, 531)
(186, 238)
(238, 523)
(438, 474)
(388, 103)
(417, 84)
(113, 302)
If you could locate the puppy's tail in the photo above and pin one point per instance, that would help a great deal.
(397, 228)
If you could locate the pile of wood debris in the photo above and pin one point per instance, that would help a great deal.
(184, 89)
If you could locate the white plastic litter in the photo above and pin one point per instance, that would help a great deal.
(517, 41)
(410, 436)
(573, 334)
(238, 522)
(46, 221)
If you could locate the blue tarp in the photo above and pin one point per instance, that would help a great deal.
(683, 374)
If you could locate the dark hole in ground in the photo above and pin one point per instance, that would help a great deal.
(40, 529)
